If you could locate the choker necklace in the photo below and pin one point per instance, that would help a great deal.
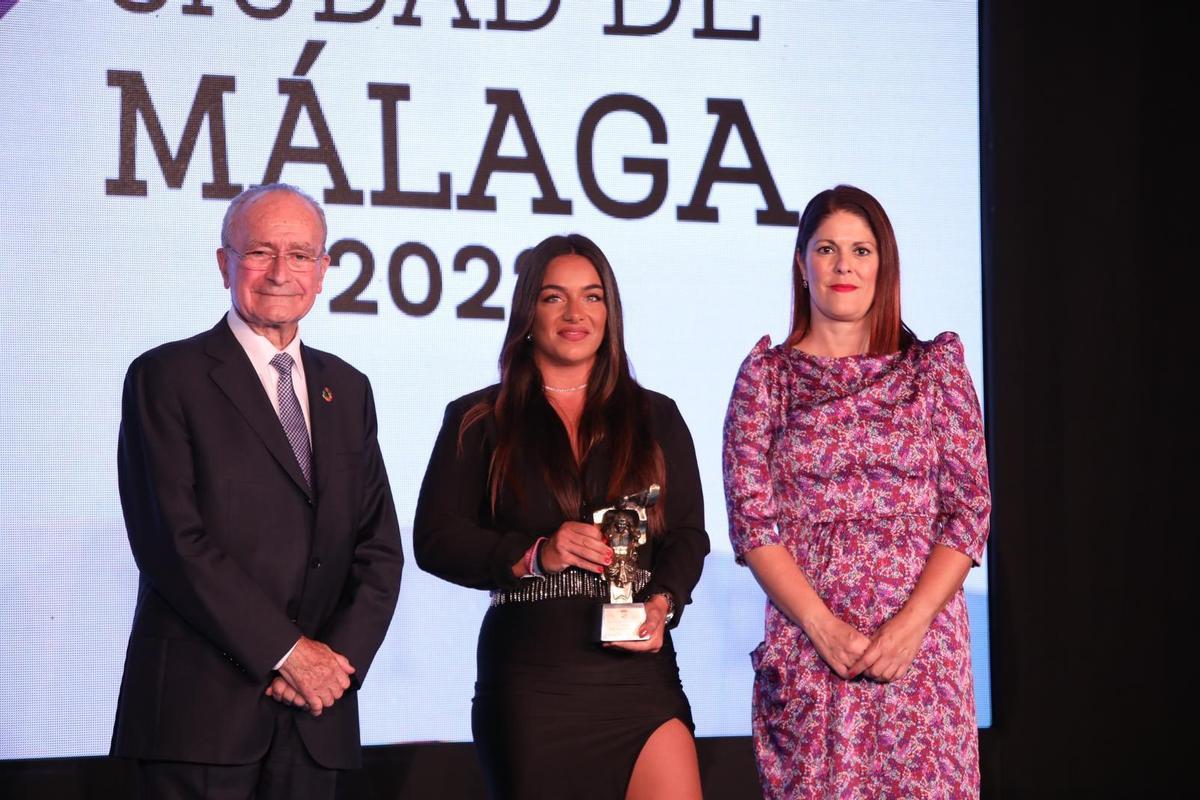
(565, 388)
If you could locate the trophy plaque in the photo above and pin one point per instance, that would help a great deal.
(624, 527)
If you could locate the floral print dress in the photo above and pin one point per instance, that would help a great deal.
(858, 466)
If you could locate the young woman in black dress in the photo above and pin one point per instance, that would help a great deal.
(515, 469)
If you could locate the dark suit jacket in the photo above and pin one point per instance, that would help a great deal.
(238, 557)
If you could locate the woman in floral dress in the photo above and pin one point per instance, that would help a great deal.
(856, 481)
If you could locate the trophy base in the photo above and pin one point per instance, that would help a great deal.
(619, 622)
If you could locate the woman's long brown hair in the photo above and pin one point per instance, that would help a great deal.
(888, 331)
(616, 409)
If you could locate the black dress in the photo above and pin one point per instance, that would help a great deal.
(555, 714)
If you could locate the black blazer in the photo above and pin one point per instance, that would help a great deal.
(456, 536)
(238, 557)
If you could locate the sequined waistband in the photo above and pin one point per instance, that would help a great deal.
(568, 583)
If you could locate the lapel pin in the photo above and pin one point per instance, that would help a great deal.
(327, 395)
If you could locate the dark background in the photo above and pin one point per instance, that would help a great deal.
(1077, 288)
(1077, 255)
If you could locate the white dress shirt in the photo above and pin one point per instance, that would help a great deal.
(260, 351)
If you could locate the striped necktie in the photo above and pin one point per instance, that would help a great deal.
(291, 415)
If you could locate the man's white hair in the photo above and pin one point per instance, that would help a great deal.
(237, 203)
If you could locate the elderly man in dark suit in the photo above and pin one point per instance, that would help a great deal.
(260, 516)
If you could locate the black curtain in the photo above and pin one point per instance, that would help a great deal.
(1076, 296)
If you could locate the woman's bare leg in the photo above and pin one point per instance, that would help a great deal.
(667, 767)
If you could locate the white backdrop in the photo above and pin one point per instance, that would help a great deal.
(880, 94)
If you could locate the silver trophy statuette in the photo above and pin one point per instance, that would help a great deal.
(624, 527)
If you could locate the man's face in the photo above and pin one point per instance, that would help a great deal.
(275, 261)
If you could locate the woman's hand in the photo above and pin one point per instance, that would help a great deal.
(895, 644)
(576, 544)
(892, 649)
(654, 627)
(839, 644)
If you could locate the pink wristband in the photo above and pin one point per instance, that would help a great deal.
(531, 559)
